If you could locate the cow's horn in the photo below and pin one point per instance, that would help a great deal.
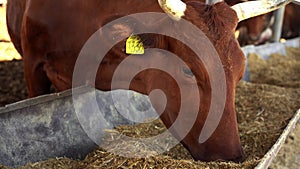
(175, 8)
(297, 2)
(250, 9)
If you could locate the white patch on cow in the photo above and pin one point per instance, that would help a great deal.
(265, 35)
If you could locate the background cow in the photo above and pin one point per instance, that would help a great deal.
(258, 30)
(291, 21)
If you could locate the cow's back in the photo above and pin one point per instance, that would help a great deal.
(14, 16)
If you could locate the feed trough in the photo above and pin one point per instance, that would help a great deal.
(47, 126)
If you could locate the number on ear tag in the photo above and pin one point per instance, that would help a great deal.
(134, 45)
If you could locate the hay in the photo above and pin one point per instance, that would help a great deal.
(280, 70)
(264, 109)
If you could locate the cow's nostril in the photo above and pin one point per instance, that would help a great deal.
(253, 37)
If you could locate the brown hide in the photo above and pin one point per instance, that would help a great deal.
(54, 31)
(291, 21)
(14, 17)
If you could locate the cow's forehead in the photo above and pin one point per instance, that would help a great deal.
(217, 16)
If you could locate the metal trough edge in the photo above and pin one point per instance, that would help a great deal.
(42, 99)
(264, 51)
(23, 141)
(267, 159)
(55, 125)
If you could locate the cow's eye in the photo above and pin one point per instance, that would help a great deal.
(187, 71)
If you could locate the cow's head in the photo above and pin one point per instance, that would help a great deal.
(254, 26)
(218, 22)
(256, 30)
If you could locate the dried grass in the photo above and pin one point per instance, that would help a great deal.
(264, 109)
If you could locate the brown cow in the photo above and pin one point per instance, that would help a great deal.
(291, 21)
(257, 30)
(252, 28)
(14, 16)
(51, 34)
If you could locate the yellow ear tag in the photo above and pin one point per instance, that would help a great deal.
(134, 45)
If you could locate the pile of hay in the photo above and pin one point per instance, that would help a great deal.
(264, 108)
